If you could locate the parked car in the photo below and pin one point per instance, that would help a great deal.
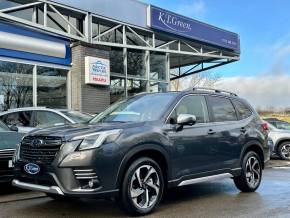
(140, 146)
(28, 119)
(9, 139)
(280, 136)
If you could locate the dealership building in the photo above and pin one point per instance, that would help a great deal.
(88, 54)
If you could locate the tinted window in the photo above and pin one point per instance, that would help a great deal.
(21, 119)
(45, 119)
(194, 105)
(242, 109)
(222, 109)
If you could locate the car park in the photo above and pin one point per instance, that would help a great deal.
(280, 136)
(141, 146)
(9, 139)
(29, 119)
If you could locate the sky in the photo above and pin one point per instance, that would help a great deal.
(263, 73)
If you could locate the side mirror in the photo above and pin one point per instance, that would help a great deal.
(186, 120)
(14, 128)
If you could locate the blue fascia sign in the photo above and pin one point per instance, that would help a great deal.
(28, 44)
(189, 28)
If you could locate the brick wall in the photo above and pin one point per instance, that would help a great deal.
(87, 98)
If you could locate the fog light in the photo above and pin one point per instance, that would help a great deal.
(93, 183)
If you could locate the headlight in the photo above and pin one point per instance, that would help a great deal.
(95, 140)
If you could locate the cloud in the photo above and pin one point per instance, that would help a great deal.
(193, 8)
(270, 88)
(260, 91)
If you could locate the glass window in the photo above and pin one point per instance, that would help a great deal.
(117, 61)
(51, 87)
(158, 87)
(194, 105)
(15, 85)
(20, 119)
(3, 127)
(281, 125)
(136, 63)
(77, 117)
(45, 119)
(158, 66)
(149, 107)
(242, 109)
(136, 86)
(222, 109)
(117, 89)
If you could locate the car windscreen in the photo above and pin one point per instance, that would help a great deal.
(77, 117)
(149, 107)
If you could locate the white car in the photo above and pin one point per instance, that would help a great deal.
(29, 119)
(280, 135)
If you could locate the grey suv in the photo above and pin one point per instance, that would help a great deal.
(139, 147)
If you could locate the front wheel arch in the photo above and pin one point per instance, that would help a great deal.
(157, 153)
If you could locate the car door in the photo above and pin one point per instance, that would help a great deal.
(227, 131)
(191, 144)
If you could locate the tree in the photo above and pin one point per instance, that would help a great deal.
(16, 85)
(207, 79)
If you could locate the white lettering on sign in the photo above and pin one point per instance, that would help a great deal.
(173, 22)
(97, 71)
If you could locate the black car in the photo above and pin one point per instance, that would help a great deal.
(139, 147)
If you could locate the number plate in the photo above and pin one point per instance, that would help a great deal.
(10, 164)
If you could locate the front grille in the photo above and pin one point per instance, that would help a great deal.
(42, 152)
(7, 154)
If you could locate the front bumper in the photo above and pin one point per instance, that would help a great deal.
(6, 168)
(88, 174)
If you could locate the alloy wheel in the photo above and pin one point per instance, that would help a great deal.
(285, 151)
(253, 172)
(145, 187)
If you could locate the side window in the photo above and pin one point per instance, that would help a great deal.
(45, 119)
(194, 105)
(222, 109)
(21, 119)
(242, 109)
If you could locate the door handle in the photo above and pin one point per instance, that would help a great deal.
(211, 132)
(243, 130)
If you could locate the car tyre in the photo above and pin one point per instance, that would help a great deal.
(284, 151)
(142, 187)
(251, 175)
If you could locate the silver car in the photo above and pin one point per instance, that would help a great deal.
(29, 119)
(280, 136)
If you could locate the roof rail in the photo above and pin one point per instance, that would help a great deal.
(218, 91)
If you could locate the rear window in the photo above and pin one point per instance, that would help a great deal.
(222, 109)
(243, 111)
